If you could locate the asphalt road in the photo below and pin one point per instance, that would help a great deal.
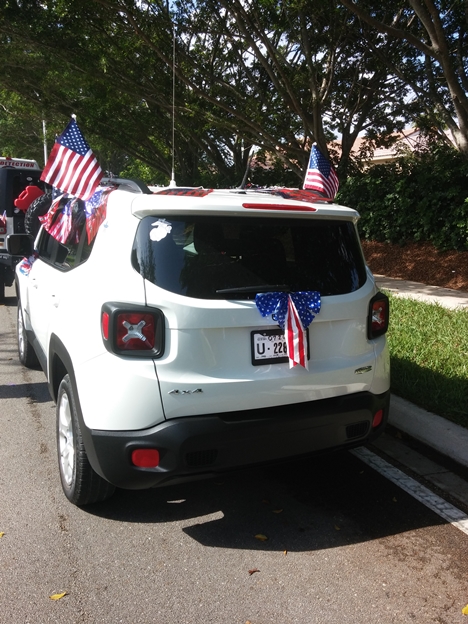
(344, 544)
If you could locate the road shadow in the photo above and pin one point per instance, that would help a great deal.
(10, 297)
(300, 506)
(36, 392)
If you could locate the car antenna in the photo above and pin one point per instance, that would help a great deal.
(247, 169)
(172, 183)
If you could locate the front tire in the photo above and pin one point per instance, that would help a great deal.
(80, 483)
(27, 355)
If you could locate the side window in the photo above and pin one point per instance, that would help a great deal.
(65, 257)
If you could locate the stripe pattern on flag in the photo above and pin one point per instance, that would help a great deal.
(296, 337)
(62, 226)
(293, 312)
(72, 166)
(321, 175)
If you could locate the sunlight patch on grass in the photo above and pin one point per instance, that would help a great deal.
(429, 356)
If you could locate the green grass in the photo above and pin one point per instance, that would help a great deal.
(429, 357)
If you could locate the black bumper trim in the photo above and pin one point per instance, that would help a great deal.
(193, 447)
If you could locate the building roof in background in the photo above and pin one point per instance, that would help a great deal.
(410, 138)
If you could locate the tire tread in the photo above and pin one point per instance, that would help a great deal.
(87, 487)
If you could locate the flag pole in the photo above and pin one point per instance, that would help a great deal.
(172, 183)
(45, 141)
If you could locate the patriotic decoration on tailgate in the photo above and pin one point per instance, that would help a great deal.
(321, 175)
(72, 167)
(293, 312)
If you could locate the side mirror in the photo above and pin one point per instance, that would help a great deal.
(20, 245)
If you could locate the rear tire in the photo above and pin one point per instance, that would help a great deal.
(38, 208)
(80, 483)
(27, 355)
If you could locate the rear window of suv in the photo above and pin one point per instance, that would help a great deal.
(222, 257)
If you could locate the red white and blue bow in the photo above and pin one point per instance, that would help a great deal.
(26, 263)
(293, 312)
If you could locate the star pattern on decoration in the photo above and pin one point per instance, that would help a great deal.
(307, 302)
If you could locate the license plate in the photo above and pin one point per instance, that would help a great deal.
(269, 347)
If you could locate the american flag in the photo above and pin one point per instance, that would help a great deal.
(293, 312)
(61, 229)
(72, 166)
(321, 175)
(49, 216)
(296, 337)
(96, 210)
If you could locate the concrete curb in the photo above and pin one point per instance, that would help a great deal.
(439, 433)
(446, 297)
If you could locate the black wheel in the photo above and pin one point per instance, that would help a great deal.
(26, 353)
(82, 486)
(38, 208)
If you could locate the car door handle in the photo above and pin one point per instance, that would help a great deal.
(55, 301)
(34, 282)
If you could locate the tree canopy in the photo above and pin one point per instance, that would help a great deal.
(236, 78)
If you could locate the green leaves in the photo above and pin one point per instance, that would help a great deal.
(422, 196)
(428, 352)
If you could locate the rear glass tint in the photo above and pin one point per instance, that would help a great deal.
(234, 257)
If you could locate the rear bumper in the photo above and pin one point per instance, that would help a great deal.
(199, 446)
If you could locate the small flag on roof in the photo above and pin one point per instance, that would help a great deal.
(72, 167)
(321, 175)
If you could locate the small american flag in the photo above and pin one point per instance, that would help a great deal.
(321, 175)
(61, 229)
(96, 210)
(72, 166)
(296, 337)
(50, 215)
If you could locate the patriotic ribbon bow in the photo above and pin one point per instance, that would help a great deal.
(293, 312)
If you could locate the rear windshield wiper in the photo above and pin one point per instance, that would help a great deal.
(257, 289)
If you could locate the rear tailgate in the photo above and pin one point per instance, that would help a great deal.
(207, 366)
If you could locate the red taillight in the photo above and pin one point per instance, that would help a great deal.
(279, 207)
(105, 325)
(145, 458)
(377, 420)
(377, 323)
(132, 330)
(135, 331)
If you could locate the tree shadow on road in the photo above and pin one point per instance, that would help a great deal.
(10, 298)
(37, 392)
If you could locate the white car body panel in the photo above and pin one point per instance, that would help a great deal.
(206, 366)
(208, 349)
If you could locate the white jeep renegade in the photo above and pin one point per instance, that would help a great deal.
(167, 337)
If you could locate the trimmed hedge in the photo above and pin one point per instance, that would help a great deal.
(420, 197)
